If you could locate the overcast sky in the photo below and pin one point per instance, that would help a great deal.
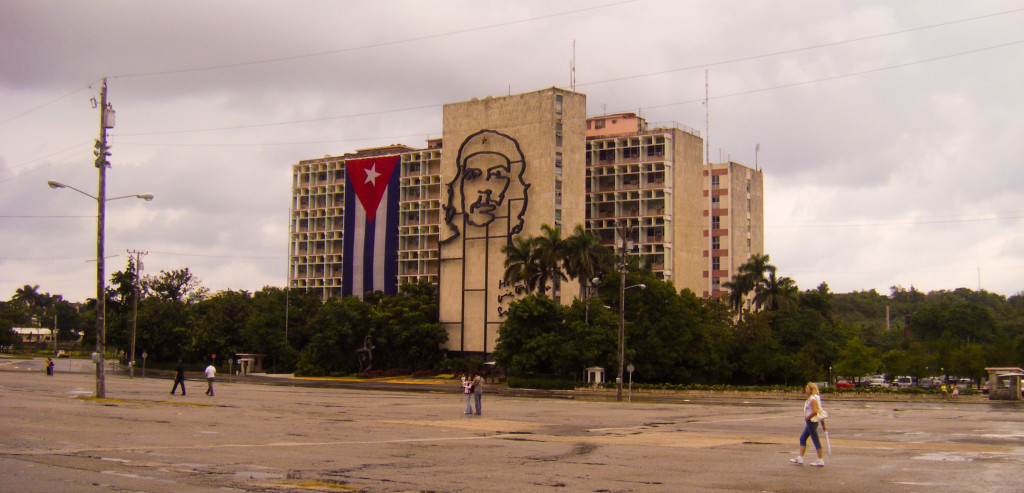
(891, 133)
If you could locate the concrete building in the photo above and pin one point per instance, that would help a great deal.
(737, 222)
(317, 221)
(508, 165)
(648, 179)
(514, 163)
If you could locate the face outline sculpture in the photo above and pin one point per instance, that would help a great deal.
(485, 180)
(488, 184)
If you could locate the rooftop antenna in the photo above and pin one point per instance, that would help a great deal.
(711, 191)
(572, 68)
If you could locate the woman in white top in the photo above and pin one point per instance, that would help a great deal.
(811, 407)
(467, 389)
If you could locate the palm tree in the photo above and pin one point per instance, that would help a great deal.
(748, 278)
(32, 300)
(548, 250)
(520, 265)
(775, 293)
(755, 268)
(585, 258)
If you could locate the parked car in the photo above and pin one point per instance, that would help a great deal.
(844, 384)
(875, 382)
(903, 382)
(63, 354)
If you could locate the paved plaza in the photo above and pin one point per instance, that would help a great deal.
(257, 437)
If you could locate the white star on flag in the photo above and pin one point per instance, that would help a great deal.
(371, 175)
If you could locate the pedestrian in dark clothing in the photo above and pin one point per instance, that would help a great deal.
(49, 367)
(179, 378)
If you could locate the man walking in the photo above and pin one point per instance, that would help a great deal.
(211, 372)
(478, 390)
(179, 378)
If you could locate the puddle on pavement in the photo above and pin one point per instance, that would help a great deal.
(259, 475)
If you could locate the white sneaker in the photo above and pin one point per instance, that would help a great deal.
(818, 463)
(798, 461)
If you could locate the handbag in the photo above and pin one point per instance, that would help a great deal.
(821, 416)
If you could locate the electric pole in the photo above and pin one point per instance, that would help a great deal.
(101, 152)
(135, 307)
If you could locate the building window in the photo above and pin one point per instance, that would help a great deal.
(714, 183)
(716, 221)
(598, 124)
(716, 242)
(558, 198)
(716, 263)
(558, 104)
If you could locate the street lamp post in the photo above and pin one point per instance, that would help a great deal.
(101, 200)
(624, 233)
(101, 152)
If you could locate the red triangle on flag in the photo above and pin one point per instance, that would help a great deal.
(369, 179)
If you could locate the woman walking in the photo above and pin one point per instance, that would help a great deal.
(467, 388)
(811, 407)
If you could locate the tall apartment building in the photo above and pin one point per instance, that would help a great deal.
(317, 220)
(734, 194)
(510, 164)
(648, 179)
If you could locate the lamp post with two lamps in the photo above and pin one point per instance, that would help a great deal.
(101, 297)
(625, 232)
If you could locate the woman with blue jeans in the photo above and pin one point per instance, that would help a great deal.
(811, 407)
(467, 388)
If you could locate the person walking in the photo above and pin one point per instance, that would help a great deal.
(179, 378)
(478, 390)
(49, 367)
(811, 407)
(467, 389)
(211, 372)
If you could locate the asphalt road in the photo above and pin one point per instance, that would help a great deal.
(252, 437)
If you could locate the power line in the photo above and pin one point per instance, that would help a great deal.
(875, 224)
(54, 100)
(797, 50)
(369, 46)
(691, 101)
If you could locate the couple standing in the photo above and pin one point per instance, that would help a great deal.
(473, 387)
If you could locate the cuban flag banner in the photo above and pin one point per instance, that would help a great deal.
(371, 226)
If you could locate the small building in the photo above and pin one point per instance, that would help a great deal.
(594, 375)
(34, 335)
(250, 363)
(1004, 383)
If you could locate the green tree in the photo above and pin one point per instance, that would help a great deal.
(585, 258)
(775, 293)
(339, 327)
(530, 340)
(857, 360)
(406, 332)
(520, 263)
(549, 251)
(264, 331)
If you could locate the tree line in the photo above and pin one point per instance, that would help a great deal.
(296, 331)
(766, 331)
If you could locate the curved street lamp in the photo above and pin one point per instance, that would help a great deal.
(101, 295)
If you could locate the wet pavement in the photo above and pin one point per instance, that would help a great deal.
(255, 437)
